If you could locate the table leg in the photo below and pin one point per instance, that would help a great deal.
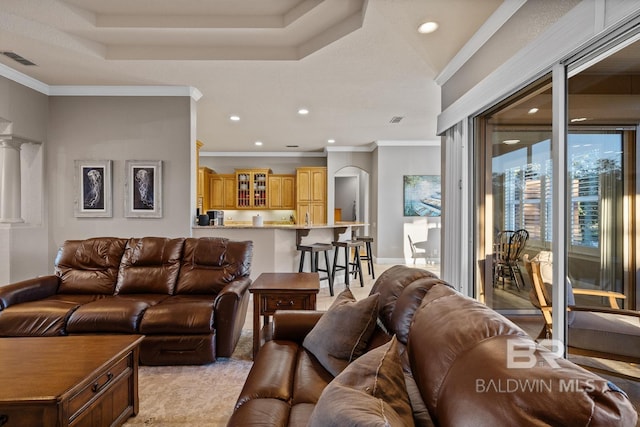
(256, 323)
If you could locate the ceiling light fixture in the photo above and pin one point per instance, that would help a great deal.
(331, 141)
(428, 27)
(234, 118)
(303, 111)
(510, 141)
(578, 119)
(258, 143)
(533, 110)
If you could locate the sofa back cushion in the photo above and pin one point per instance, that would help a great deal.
(462, 351)
(210, 263)
(89, 266)
(150, 265)
(401, 290)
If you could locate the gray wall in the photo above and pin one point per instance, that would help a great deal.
(345, 197)
(23, 246)
(119, 129)
(392, 164)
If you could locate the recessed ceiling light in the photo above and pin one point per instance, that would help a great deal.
(303, 111)
(579, 119)
(533, 110)
(258, 143)
(428, 27)
(331, 141)
(234, 118)
(510, 141)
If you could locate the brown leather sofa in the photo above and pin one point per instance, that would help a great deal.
(187, 296)
(464, 365)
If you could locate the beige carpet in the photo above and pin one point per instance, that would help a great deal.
(201, 396)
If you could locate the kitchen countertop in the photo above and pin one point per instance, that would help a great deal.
(285, 226)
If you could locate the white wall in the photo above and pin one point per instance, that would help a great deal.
(118, 129)
(392, 226)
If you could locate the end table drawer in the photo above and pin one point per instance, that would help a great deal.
(286, 302)
(99, 385)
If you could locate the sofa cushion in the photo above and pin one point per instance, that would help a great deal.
(207, 266)
(179, 314)
(89, 266)
(342, 334)
(482, 357)
(43, 318)
(401, 290)
(371, 391)
(111, 314)
(150, 265)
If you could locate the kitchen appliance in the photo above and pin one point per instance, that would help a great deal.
(216, 217)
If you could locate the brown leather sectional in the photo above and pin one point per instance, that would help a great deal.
(188, 296)
(464, 365)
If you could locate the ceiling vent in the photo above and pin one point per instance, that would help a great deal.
(396, 119)
(18, 58)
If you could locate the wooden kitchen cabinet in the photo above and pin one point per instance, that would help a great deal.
(222, 191)
(311, 194)
(281, 191)
(251, 188)
(203, 189)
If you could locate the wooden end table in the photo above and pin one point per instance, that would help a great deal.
(281, 291)
(81, 380)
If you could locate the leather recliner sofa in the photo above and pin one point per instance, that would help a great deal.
(463, 363)
(187, 296)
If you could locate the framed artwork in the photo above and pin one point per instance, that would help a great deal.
(93, 188)
(422, 195)
(143, 189)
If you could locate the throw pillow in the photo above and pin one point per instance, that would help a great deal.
(371, 391)
(342, 333)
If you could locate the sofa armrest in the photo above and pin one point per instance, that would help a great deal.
(230, 311)
(28, 290)
(294, 325)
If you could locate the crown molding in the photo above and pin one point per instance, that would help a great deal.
(73, 90)
(261, 154)
(23, 79)
(425, 143)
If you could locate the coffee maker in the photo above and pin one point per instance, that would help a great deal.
(216, 217)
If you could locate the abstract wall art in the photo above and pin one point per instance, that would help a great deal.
(93, 188)
(143, 189)
(422, 195)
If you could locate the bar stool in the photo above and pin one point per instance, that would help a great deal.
(314, 250)
(357, 266)
(369, 254)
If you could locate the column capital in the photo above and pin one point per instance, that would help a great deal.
(10, 143)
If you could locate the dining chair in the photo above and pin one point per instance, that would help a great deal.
(604, 332)
(415, 253)
(508, 250)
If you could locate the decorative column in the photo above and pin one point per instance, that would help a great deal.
(10, 180)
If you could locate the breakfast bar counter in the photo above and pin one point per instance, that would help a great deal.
(274, 245)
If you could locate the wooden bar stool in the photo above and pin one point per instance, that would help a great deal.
(356, 264)
(314, 250)
(369, 254)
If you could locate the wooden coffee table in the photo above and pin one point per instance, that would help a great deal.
(69, 381)
(281, 291)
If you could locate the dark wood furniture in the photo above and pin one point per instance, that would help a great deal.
(73, 381)
(281, 291)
